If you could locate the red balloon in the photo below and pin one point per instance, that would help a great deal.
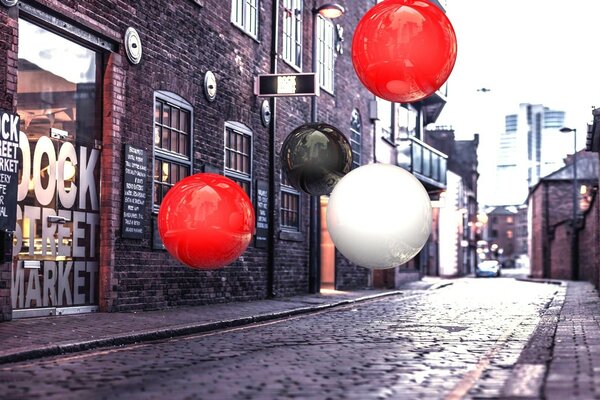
(206, 221)
(404, 50)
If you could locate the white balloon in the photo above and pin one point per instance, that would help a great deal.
(379, 216)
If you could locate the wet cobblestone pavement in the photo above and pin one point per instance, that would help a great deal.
(460, 341)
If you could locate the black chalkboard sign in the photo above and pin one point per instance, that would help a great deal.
(261, 209)
(9, 167)
(134, 193)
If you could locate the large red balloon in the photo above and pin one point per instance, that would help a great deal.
(206, 221)
(404, 50)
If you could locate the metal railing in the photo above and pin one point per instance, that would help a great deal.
(422, 160)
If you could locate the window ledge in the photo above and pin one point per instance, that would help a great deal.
(245, 32)
(291, 236)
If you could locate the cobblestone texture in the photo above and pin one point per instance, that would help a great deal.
(457, 342)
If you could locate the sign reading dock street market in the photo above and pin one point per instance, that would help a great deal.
(273, 85)
(134, 192)
(9, 166)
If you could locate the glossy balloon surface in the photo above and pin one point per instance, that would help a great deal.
(379, 216)
(206, 221)
(404, 50)
(315, 157)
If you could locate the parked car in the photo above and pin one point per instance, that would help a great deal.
(488, 268)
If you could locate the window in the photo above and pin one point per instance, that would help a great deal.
(244, 14)
(238, 155)
(172, 143)
(494, 233)
(290, 206)
(355, 135)
(385, 112)
(509, 234)
(292, 32)
(509, 220)
(325, 53)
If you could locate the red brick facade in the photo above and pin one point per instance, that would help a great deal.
(181, 41)
(551, 226)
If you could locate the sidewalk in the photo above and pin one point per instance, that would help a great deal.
(46, 336)
(562, 358)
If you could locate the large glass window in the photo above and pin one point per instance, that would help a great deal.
(238, 155)
(292, 32)
(290, 206)
(172, 143)
(58, 197)
(244, 14)
(326, 53)
(355, 138)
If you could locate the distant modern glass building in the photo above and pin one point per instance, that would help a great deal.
(530, 147)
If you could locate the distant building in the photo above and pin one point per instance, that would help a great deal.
(551, 227)
(530, 147)
(502, 233)
(458, 211)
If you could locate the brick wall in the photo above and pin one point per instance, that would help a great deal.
(589, 261)
(538, 231)
(181, 41)
(8, 86)
(560, 252)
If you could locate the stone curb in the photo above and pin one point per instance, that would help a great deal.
(542, 280)
(180, 330)
(528, 375)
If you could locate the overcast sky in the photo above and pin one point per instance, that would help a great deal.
(525, 51)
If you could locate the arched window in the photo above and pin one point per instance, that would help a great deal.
(238, 155)
(355, 138)
(172, 143)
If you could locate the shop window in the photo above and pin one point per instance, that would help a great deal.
(292, 32)
(325, 53)
(290, 206)
(355, 138)
(238, 155)
(172, 143)
(244, 14)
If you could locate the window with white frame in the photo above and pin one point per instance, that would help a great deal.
(172, 143)
(290, 206)
(244, 14)
(325, 53)
(292, 32)
(355, 136)
(238, 155)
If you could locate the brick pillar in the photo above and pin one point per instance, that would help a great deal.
(8, 102)
(113, 110)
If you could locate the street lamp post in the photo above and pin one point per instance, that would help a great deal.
(328, 10)
(574, 247)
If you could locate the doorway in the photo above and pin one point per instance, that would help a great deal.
(327, 250)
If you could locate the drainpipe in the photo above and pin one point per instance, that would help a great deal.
(272, 161)
(314, 270)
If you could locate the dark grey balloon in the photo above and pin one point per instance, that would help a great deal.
(315, 157)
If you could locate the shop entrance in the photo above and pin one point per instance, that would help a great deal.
(327, 250)
(55, 264)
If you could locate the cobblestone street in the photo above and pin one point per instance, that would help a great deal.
(460, 341)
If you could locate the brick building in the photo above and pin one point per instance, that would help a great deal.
(100, 102)
(551, 210)
(460, 203)
(502, 233)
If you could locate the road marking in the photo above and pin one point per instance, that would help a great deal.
(470, 378)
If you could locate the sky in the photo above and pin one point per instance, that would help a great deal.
(525, 51)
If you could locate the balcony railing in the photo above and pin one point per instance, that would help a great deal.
(426, 163)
